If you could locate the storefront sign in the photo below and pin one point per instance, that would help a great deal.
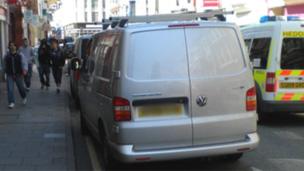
(11, 1)
(35, 20)
(211, 3)
(2, 14)
(27, 15)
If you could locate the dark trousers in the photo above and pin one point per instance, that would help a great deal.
(28, 76)
(10, 87)
(57, 73)
(44, 74)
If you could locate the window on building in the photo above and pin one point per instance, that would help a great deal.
(85, 3)
(94, 16)
(86, 17)
(132, 8)
(259, 52)
(177, 2)
(156, 6)
(94, 4)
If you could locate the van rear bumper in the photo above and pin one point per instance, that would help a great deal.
(283, 106)
(126, 153)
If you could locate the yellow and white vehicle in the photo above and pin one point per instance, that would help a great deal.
(276, 50)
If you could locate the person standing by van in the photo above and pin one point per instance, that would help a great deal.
(58, 62)
(28, 53)
(15, 69)
(44, 64)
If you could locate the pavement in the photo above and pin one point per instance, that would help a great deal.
(36, 136)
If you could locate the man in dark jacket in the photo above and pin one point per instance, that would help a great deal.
(58, 62)
(44, 64)
(15, 69)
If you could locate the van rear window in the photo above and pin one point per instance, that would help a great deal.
(292, 55)
(157, 55)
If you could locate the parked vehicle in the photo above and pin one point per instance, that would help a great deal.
(81, 51)
(276, 51)
(169, 90)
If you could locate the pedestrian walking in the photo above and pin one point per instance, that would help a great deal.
(58, 62)
(15, 67)
(44, 60)
(27, 51)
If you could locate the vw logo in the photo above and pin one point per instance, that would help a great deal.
(201, 100)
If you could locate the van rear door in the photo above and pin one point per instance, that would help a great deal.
(290, 83)
(157, 84)
(219, 79)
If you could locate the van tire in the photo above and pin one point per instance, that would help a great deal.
(71, 90)
(262, 116)
(107, 160)
(83, 125)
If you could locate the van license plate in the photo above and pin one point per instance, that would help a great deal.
(160, 110)
(291, 85)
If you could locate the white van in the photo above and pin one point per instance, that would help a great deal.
(276, 49)
(169, 90)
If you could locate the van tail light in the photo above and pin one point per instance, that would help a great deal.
(251, 102)
(270, 82)
(122, 111)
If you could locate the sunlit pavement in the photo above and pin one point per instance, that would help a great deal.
(36, 136)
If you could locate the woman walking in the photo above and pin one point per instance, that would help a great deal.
(58, 62)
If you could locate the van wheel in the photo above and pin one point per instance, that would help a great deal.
(83, 125)
(107, 160)
(71, 90)
(261, 114)
(233, 157)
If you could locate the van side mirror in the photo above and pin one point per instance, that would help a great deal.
(75, 64)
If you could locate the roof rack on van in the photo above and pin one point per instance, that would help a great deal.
(190, 16)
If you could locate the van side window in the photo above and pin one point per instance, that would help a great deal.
(84, 45)
(247, 44)
(105, 56)
(84, 66)
(259, 52)
(76, 48)
(90, 64)
(292, 53)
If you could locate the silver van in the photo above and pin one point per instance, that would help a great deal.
(169, 90)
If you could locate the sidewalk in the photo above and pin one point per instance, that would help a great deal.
(36, 136)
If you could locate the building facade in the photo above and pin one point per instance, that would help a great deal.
(286, 7)
(4, 38)
(89, 10)
(246, 11)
